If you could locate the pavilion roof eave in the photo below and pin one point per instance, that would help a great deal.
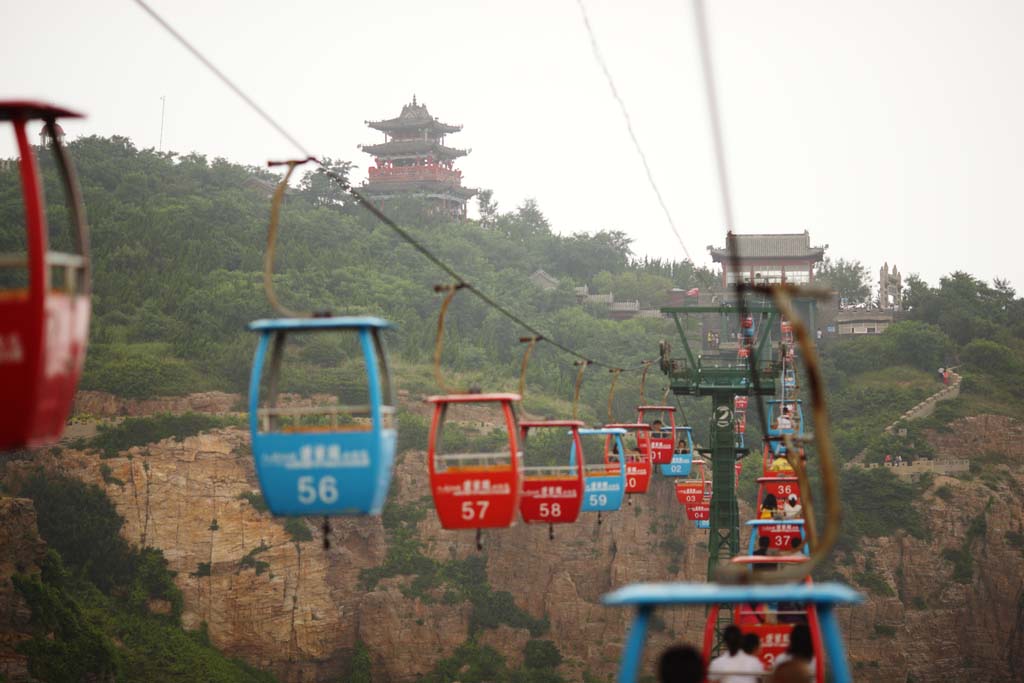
(409, 148)
(723, 256)
(389, 125)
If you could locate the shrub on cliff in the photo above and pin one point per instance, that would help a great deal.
(113, 439)
(877, 503)
(108, 593)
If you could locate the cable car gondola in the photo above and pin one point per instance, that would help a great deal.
(45, 302)
(780, 533)
(475, 490)
(773, 636)
(781, 413)
(646, 598)
(638, 462)
(551, 493)
(322, 460)
(682, 455)
(694, 491)
(604, 485)
(662, 439)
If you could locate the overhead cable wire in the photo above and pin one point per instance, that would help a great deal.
(725, 193)
(781, 296)
(363, 201)
(599, 58)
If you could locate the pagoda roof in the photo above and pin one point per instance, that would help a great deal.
(409, 148)
(771, 246)
(412, 187)
(413, 117)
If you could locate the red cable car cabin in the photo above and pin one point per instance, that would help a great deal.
(551, 493)
(695, 496)
(662, 444)
(475, 490)
(638, 462)
(774, 637)
(44, 296)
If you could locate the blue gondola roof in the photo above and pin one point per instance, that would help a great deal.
(710, 593)
(775, 522)
(610, 430)
(788, 400)
(337, 322)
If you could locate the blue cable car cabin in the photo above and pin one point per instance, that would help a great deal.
(789, 411)
(646, 598)
(604, 483)
(682, 454)
(322, 459)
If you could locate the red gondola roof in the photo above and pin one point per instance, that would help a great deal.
(32, 109)
(552, 423)
(670, 409)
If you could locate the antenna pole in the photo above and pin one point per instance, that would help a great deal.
(163, 105)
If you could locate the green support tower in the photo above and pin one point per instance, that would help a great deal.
(722, 379)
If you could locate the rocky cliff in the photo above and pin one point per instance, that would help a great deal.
(21, 551)
(300, 610)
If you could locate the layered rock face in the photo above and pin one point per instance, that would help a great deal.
(21, 551)
(299, 610)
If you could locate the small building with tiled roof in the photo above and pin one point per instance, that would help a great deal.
(767, 258)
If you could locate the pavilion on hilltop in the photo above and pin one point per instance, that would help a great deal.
(767, 259)
(413, 161)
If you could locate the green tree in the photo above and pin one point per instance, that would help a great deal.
(851, 279)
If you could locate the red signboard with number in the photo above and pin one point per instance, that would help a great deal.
(780, 536)
(780, 487)
(638, 473)
(552, 500)
(689, 492)
(699, 512)
(774, 640)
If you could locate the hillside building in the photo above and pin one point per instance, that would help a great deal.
(414, 161)
(766, 259)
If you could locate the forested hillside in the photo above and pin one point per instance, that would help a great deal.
(178, 253)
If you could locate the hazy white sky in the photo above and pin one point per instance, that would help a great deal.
(888, 129)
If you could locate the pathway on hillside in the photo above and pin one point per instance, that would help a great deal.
(923, 409)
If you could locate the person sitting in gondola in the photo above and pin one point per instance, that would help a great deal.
(781, 462)
(681, 664)
(801, 649)
(753, 614)
(796, 545)
(657, 427)
(784, 421)
(769, 507)
(734, 666)
(763, 545)
(683, 446)
(792, 509)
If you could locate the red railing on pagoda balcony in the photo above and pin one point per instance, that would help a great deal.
(412, 173)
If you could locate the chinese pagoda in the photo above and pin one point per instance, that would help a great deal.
(413, 161)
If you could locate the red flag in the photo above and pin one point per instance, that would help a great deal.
(693, 292)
